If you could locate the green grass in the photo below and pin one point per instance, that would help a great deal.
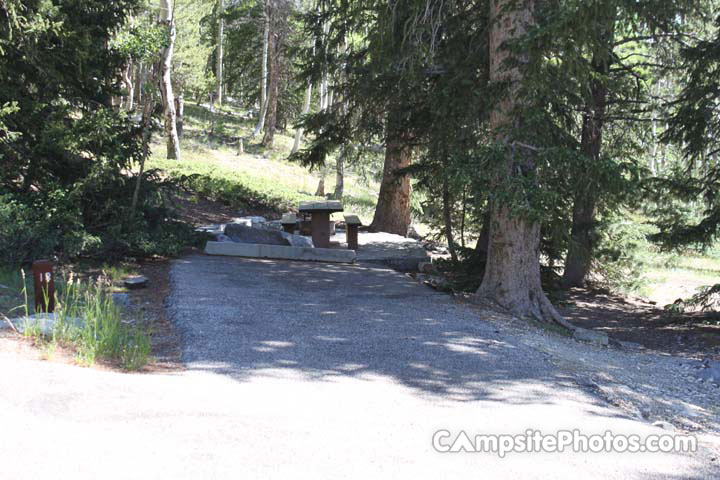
(673, 276)
(259, 179)
(102, 332)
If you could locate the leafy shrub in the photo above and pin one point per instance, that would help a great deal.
(24, 233)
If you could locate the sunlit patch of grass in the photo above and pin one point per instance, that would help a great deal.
(86, 320)
(671, 276)
(259, 177)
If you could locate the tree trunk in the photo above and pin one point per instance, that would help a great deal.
(305, 111)
(147, 114)
(166, 89)
(512, 272)
(264, 75)
(582, 236)
(140, 82)
(447, 213)
(180, 111)
(320, 191)
(392, 214)
(273, 87)
(339, 175)
(483, 241)
(219, 66)
(129, 85)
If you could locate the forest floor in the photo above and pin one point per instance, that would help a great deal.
(643, 324)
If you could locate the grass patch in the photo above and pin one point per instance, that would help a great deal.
(260, 180)
(87, 320)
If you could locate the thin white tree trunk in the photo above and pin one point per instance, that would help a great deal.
(219, 68)
(166, 89)
(264, 75)
(305, 111)
(130, 85)
(140, 79)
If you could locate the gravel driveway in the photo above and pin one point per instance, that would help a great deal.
(300, 370)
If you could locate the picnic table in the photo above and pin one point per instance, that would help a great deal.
(320, 219)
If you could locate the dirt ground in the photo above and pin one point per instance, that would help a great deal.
(695, 335)
(150, 301)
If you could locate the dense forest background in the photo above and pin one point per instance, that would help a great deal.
(545, 143)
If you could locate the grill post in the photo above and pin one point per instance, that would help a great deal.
(44, 283)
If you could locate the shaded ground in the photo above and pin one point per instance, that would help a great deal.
(150, 302)
(695, 335)
(196, 210)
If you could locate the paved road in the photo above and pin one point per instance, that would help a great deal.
(300, 370)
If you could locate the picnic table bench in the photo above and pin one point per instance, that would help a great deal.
(352, 225)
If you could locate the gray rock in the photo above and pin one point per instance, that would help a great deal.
(214, 230)
(122, 300)
(44, 323)
(241, 233)
(710, 372)
(591, 336)
(137, 281)
(253, 221)
(274, 225)
(242, 221)
(298, 240)
(426, 267)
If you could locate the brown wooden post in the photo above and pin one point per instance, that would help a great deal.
(352, 236)
(321, 229)
(44, 282)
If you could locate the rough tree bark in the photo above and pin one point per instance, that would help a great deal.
(166, 89)
(264, 74)
(447, 213)
(483, 241)
(220, 53)
(582, 236)
(392, 213)
(512, 272)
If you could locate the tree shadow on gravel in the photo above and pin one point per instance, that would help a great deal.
(239, 316)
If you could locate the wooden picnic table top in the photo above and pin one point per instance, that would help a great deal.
(321, 207)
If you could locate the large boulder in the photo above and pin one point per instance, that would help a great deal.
(241, 233)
